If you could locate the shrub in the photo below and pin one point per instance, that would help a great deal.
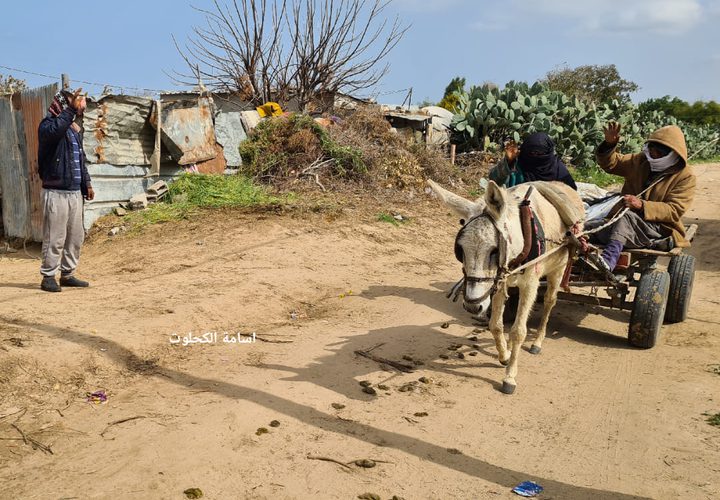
(284, 146)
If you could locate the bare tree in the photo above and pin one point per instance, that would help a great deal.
(290, 48)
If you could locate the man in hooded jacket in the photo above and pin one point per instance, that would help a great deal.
(654, 220)
(65, 182)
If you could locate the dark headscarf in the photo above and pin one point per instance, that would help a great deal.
(538, 159)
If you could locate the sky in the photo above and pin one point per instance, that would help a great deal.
(668, 47)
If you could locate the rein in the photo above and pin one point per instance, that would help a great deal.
(505, 269)
(503, 265)
(503, 272)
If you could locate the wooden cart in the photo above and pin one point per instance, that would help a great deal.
(660, 295)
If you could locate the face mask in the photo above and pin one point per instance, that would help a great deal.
(661, 164)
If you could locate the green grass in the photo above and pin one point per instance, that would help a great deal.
(713, 419)
(390, 219)
(595, 176)
(191, 192)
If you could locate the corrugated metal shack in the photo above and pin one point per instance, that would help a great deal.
(130, 142)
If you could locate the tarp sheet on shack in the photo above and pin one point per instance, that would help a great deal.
(230, 133)
(118, 131)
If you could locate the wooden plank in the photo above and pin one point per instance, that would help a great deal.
(592, 300)
(647, 251)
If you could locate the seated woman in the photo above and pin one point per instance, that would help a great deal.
(536, 161)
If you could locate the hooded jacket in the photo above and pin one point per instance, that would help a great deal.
(55, 151)
(668, 200)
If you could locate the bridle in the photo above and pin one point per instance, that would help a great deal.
(502, 261)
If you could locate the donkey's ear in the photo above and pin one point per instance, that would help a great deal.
(495, 200)
(464, 208)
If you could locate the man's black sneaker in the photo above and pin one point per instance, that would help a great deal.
(50, 285)
(73, 281)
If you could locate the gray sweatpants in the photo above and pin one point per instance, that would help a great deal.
(63, 231)
(632, 231)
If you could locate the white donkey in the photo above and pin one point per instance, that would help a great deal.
(492, 236)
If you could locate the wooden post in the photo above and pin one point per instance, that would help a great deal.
(155, 157)
(65, 81)
(452, 154)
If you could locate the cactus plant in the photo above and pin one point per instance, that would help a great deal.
(487, 116)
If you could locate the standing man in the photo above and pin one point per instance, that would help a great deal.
(65, 182)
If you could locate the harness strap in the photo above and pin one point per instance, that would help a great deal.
(473, 279)
(526, 222)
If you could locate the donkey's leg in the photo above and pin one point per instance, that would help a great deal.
(528, 293)
(553, 285)
(496, 324)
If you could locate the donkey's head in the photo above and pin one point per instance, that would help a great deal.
(479, 245)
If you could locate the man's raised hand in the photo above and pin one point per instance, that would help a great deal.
(612, 133)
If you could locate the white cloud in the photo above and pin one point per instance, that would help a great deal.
(612, 16)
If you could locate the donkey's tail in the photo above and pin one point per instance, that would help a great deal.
(565, 200)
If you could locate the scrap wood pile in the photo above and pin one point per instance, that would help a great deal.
(361, 148)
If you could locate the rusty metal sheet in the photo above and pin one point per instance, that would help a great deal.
(34, 104)
(118, 130)
(188, 131)
(216, 165)
(19, 179)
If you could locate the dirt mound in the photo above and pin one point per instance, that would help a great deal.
(592, 418)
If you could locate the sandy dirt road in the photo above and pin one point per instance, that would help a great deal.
(592, 418)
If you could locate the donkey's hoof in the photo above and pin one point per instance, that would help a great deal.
(507, 388)
(504, 363)
(535, 349)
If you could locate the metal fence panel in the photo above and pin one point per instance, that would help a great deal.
(118, 131)
(34, 104)
(13, 182)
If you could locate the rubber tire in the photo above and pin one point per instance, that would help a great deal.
(682, 275)
(648, 311)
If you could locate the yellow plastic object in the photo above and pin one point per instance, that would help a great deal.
(269, 109)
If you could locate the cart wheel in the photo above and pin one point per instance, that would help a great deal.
(511, 306)
(649, 309)
(682, 275)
